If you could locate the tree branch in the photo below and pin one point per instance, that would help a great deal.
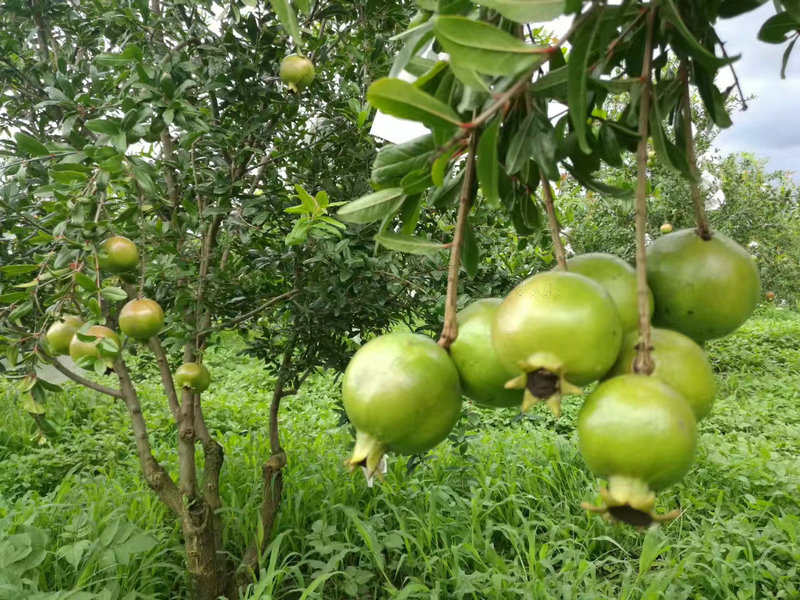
(644, 360)
(552, 222)
(186, 461)
(703, 230)
(450, 328)
(271, 302)
(166, 376)
(87, 383)
(154, 473)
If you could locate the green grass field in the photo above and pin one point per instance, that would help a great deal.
(494, 513)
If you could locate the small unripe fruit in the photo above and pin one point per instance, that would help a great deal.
(78, 348)
(297, 72)
(193, 376)
(666, 228)
(118, 254)
(141, 319)
(771, 296)
(60, 333)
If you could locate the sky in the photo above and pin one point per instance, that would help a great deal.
(767, 128)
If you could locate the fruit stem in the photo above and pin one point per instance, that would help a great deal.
(450, 328)
(552, 222)
(644, 360)
(703, 229)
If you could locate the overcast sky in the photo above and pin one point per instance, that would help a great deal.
(768, 127)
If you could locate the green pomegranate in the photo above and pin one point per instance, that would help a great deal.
(118, 254)
(297, 72)
(557, 328)
(59, 334)
(704, 289)
(79, 349)
(483, 376)
(619, 279)
(679, 361)
(141, 319)
(639, 434)
(193, 376)
(401, 392)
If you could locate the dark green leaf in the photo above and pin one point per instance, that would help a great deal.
(487, 162)
(18, 269)
(395, 161)
(401, 99)
(372, 207)
(578, 93)
(30, 145)
(114, 294)
(417, 181)
(525, 11)
(288, 19)
(409, 214)
(407, 243)
(777, 27)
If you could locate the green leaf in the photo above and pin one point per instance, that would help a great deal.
(417, 181)
(488, 169)
(408, 244)
(288, 19)
(776, 28)
(470, 253)
(19, 269)
(113, 294)
(578, 93)
(309, 203)
(12, 297)
(439, 168)
(131, 54)
(525, 11)
(99, 366)
(412, 40)
(786, 54)
(484, 48)
(30, 144)
(30, 405)
(700, 53)
(299, 233)
(109, 128)
(86, 282)
(401, 99)
(396, 160)
(20, 311)
(409, 214)
(372, 207)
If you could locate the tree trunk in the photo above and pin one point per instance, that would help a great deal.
(204, 559)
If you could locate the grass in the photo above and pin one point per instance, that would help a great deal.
(492, 514)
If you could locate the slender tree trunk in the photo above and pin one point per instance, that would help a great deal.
(204, 559)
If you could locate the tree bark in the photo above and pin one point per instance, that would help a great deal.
(204, 559)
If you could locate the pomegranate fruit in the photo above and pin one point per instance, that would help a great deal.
(141, 319)
(78, 349)
(704, 289)
(59, 334)
(193, 376)
(639, 434)
(483, 375)
(679, 362)
(118, 254)
(402, 393)
(297, 72)
(556, 329)
(619, 280)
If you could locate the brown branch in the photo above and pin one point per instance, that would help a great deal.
(87, 383)
(214, 456)
(186, 461)
(552, 223)
(450, 328)
(703, 229)
(644, 360)
(154, 473)
(248, 315)
(166, 376)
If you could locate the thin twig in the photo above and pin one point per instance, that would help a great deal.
(450, 328)
(644, 360)
(703, 229)
(97, 387)
(271, 302)
(552, 222)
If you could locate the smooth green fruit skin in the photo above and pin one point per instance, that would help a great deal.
(118, 254)
(564, 315)
(639, 427)
(679, 362)
(482, 373)
(141, 319)
(704, 289)
(403, 390)
(619, 280)
(194, 376)
(78, 349)
(297, 71)
(59, 334)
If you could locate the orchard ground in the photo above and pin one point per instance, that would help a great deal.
(494, 513)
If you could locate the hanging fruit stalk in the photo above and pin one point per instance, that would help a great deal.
(644, 361)
(703, 229)
(450, 328)
(552, 222)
